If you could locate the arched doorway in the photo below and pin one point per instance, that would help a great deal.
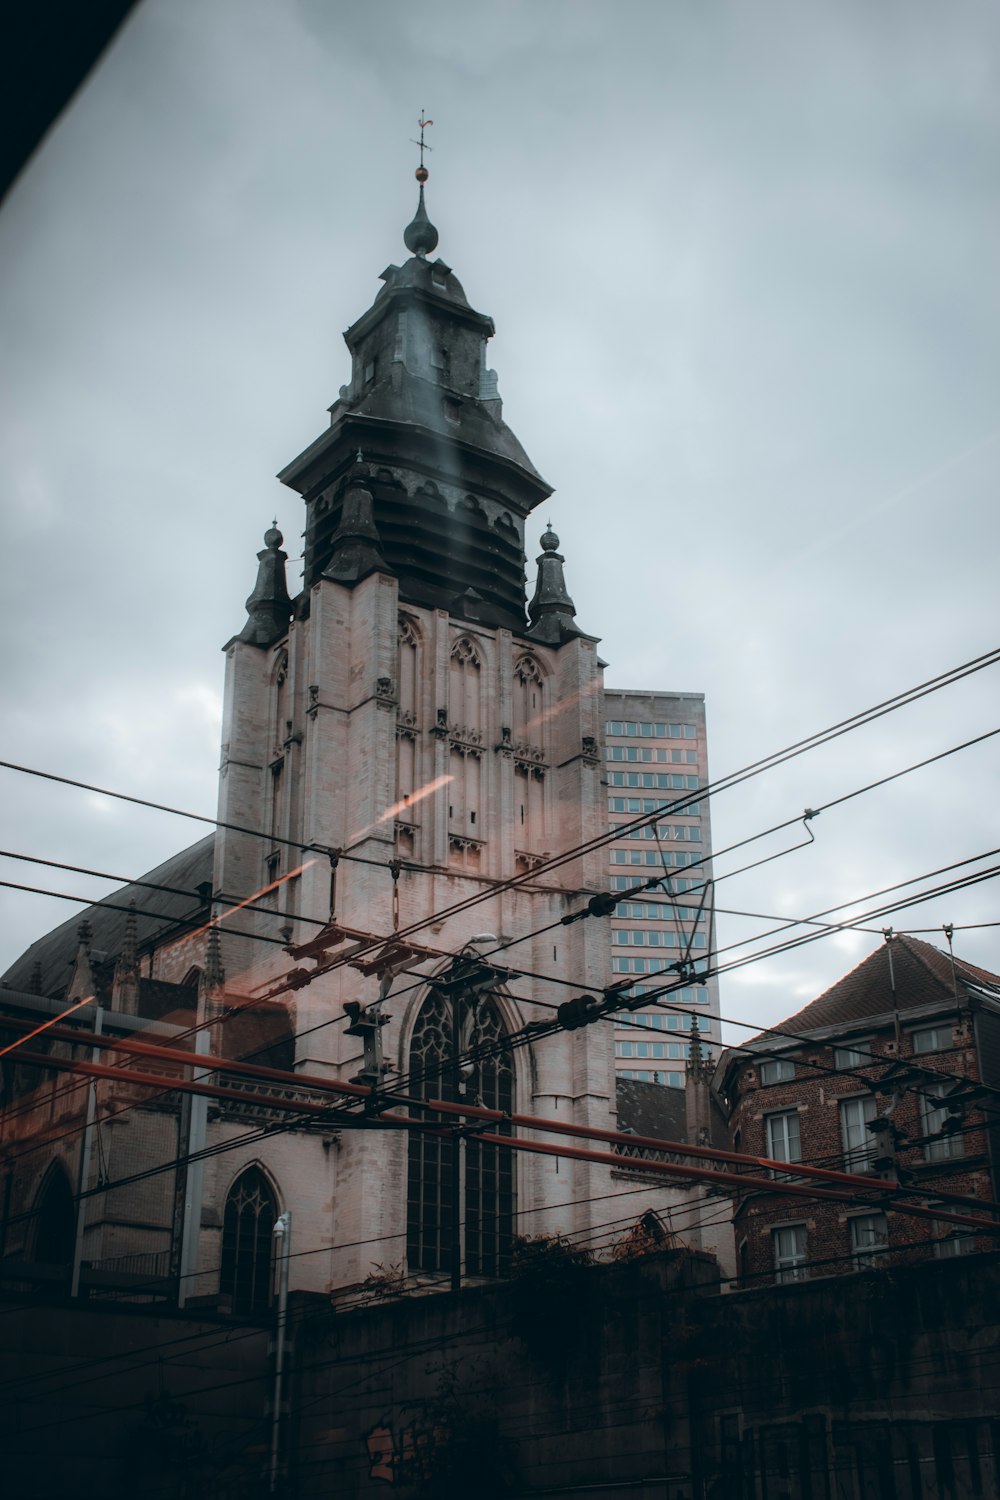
(55, 1222)
(247, 1229)
(487, 1218)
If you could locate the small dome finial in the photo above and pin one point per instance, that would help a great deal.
(273, 537)
(420, 237)
(549, 540)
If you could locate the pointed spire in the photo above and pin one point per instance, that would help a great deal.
(357, 546)
(81, 982)
(125, 984)
(213, 974)
(127, 958)
(269, 608)
(551, 610)
(420, 237)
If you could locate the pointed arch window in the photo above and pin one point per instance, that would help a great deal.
(528, 700)
(465, 716)
(55, 1223)
(486, 1221)
(530, 827)
(247, 1228)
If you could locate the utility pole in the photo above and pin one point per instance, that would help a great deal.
(83, 1178)
(194, 1130)
(283, 1234)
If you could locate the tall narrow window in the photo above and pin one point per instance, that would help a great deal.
(790, 1253)
(858, 1141)
(869, 1236)
(55, 1222)
(940, 1144)
(783, 1141)
(407, 726)
(465, 728)
(486, 1172)
(247, 1228)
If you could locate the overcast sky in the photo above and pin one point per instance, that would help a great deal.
(742, 260)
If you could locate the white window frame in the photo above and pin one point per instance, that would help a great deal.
(789, 1255)
(776, 1070)
(869, 1237)
(948, 1147)
(859, 1152)
(853, 1055)
(935, 1031)
(786, 1144)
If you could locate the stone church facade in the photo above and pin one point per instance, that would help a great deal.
(406, 745)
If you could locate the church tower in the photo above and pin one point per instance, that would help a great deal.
(417, 740)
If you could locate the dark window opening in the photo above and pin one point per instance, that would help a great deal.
(488, 1200)
(247, 1232)
(55, 1227)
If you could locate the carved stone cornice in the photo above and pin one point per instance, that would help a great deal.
(385, 693)
(530, 760)
(465, 741)
(406, 726)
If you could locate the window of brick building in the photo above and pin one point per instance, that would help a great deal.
(857, 1055)
(869, 1236)
(933, 1118)
(931, 1039)
(856, 1138)
(789, 1252)
(953, 1241)
(777, 1070)
(783, 1140)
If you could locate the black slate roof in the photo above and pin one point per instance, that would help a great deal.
(157, 912)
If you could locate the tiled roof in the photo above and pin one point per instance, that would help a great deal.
(922, 975)
(651, 1109)
(156, 911)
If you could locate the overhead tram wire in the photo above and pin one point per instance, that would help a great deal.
(617, 831)
(513, 1042)
(858, 720)
(249, 902)
(620, 831)
(497, 1140)
(537, 1031)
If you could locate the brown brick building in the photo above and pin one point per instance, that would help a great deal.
(909, 1038)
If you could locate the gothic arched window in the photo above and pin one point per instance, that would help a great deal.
(486, 1222)
(247, 1229)
(55, 1222)
(528, 704)
(465, 715)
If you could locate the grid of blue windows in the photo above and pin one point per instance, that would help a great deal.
(694, 996)
(647, 754)
(677, 833)
(646, 911)
(651, 731)
(658, 779)
(659, 1020)
(673, 1050)
(677, 885)
(642, 1075)
(654, 857)
(661, 780)
(650, 805)
(647, 937)
(622, 965)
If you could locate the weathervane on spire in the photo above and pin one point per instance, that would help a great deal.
(420, 236)
(421, 172)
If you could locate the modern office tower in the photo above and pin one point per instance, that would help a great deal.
(657, 756)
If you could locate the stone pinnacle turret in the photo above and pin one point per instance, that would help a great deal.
(552, 611)
(269, 608)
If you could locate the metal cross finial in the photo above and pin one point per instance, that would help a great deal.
(422, 143)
